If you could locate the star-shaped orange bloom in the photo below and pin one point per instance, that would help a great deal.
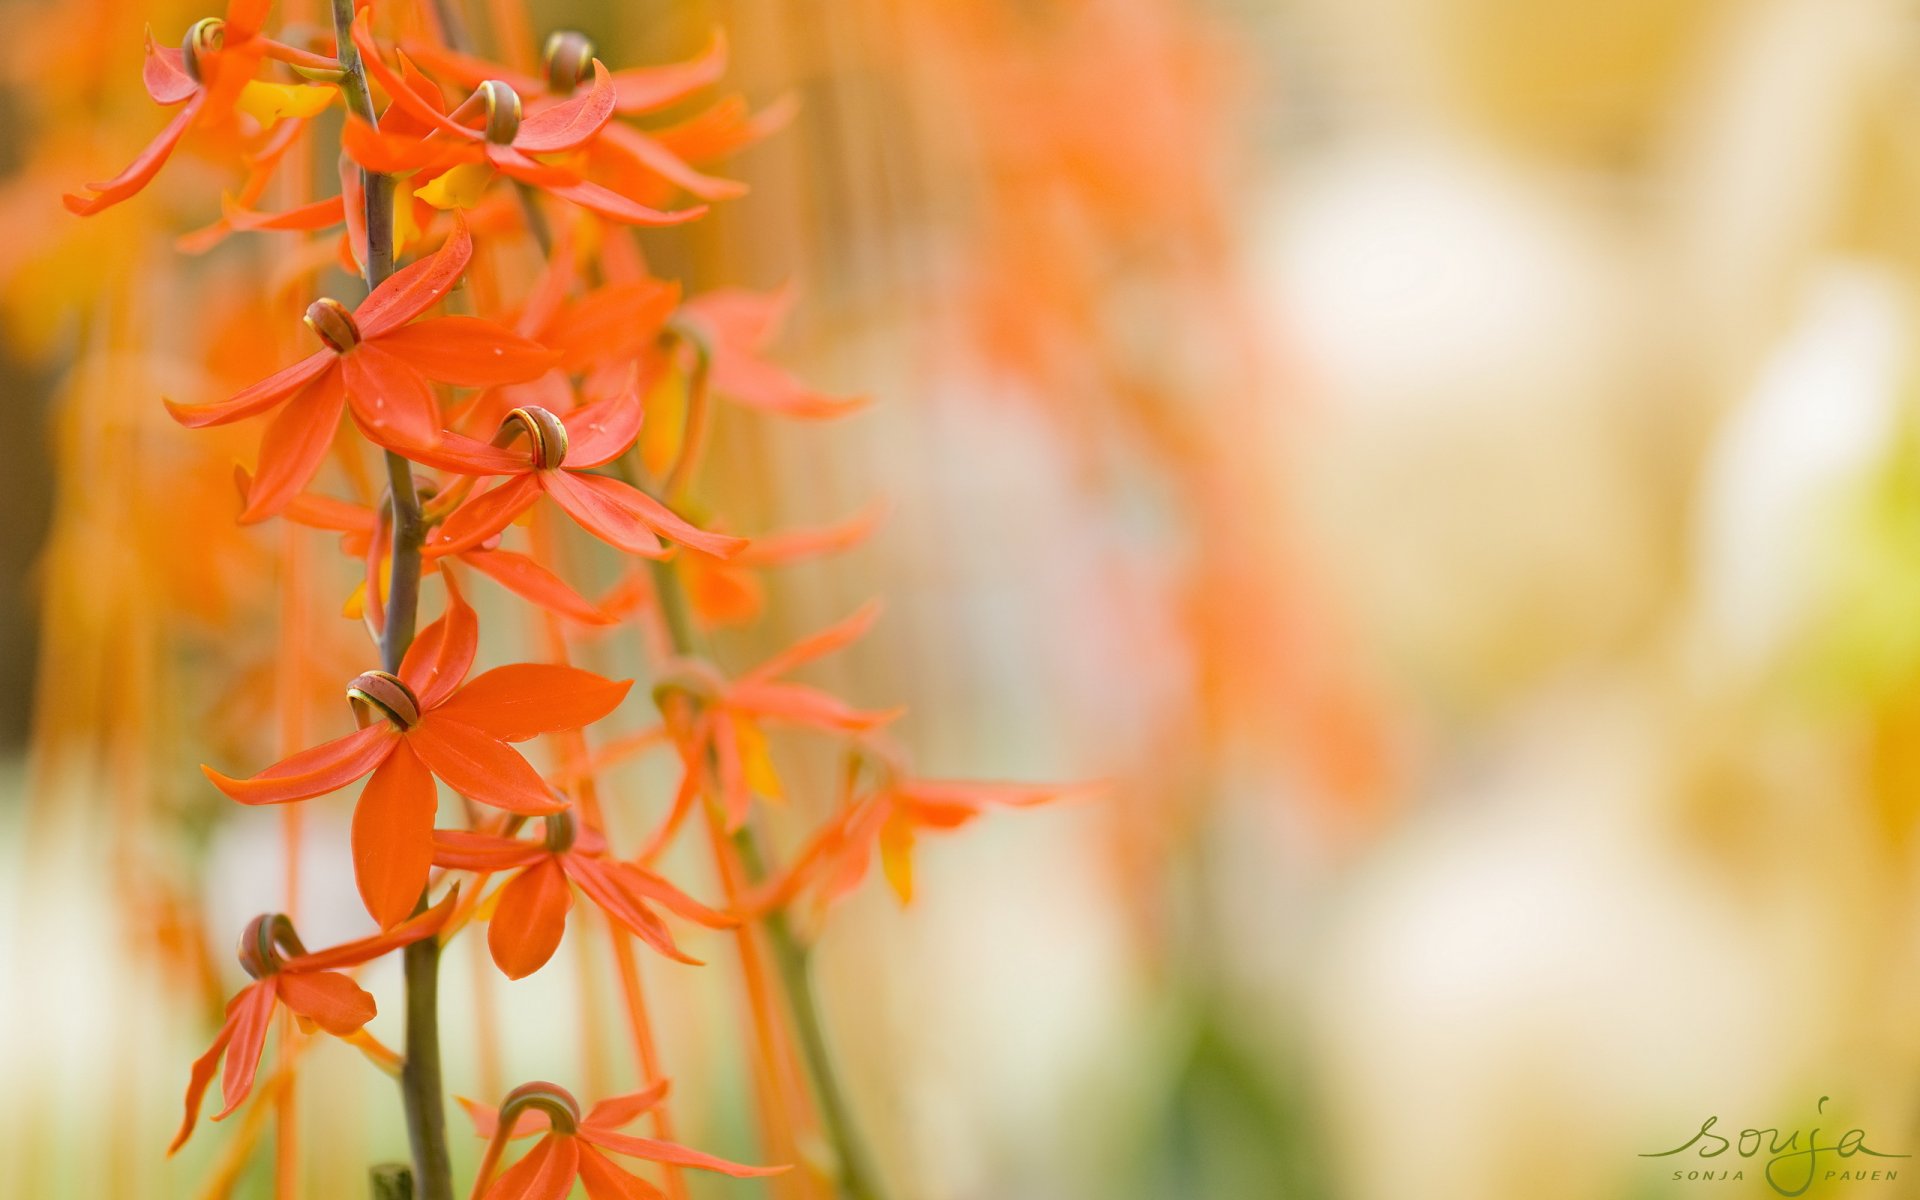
(425, 723)
(376, 363)
(530, 916)
(309, 984)
(210, 77)
(507, 140)
(575, 1148)
(552, 458)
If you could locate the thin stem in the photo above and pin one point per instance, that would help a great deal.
(421, 1091)
(858, 1180)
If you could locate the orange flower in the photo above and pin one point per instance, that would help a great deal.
(734, 326)
(719, 738)
(424, 723)
(309, 984)
(376, 363)
(364, 537)
(505, 143)
(554, 461)
(531, 914)
(210, 78)
(576, 1149)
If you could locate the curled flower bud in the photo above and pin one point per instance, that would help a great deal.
(550, 1098)
(377, 694)
(503, 112)
(333, 323)
(204, 36)
(569, 60)
(543, 432)
(264, 940)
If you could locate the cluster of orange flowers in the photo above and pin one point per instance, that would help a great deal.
(589, 384)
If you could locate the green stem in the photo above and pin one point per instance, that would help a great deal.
(858, 1179)
(421, 1091)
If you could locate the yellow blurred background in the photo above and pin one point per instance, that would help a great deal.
(1452, 466)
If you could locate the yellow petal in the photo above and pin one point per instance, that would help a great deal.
(896, 857)
(666, 409)
(356, 605)
(406, 231)
(458, 187)
(755, 762)
(268, 102)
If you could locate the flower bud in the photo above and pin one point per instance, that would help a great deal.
(569, 60)
(378, 694)
(204, 37)
(262, 942)
(333, 323)
(543, 431)
(503, 111)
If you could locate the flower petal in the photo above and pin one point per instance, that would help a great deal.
(656, 1150)
(465, 850)
(644, 89)
(611, 323)
(201, 1076)
(480, 767)
(327, 998)
(530, 919)
(391, 401)
(250, 1020)
(835, 637)
(803, 705)
(415, 288)
(314, 772)
(530, 581)
(571, 122)
(142, 169)
(393, 837)
(615, 207)
(516, 702)
(615, 1111)
(487, 514)
(165, 74)
(350, 954)
(257, 398)
(294, 446)
(603, 886)
(605, 1181)
(443, 653)
(546, 1173)
(467, 351)
(628, 518)
(603, 431)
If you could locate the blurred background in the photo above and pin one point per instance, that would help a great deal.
(1451, 465)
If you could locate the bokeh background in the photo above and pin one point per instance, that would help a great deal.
(1451, 465)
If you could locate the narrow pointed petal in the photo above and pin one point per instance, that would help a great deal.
(617, 1111)
(467, 70)
(623, 150)
(645, 884)
(530, 581)
(142, 169)
(487, 514)
(250, 1021)
(315, 772)
(416, 287)
(602, 432)
(604, 888)
(468, 352)
(463, 455)
(327, 998)
(393, 837)
(793, 545)
(519, 701)
(615, 207)
(294, 446)
(256, 399)
(206, 1066)
(165, 74)
(605, 1181)
(612, 323)
(546, 1173)
(480, 767)
(530, 919)
(759, 384)
(391, 401)
(464, 850)
(629, 518)
(571, 122)
(803, 705)
(416, 106)
(645, 89)
(837, 636)
(443, 653)
(352, 954)
(658, 1151)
